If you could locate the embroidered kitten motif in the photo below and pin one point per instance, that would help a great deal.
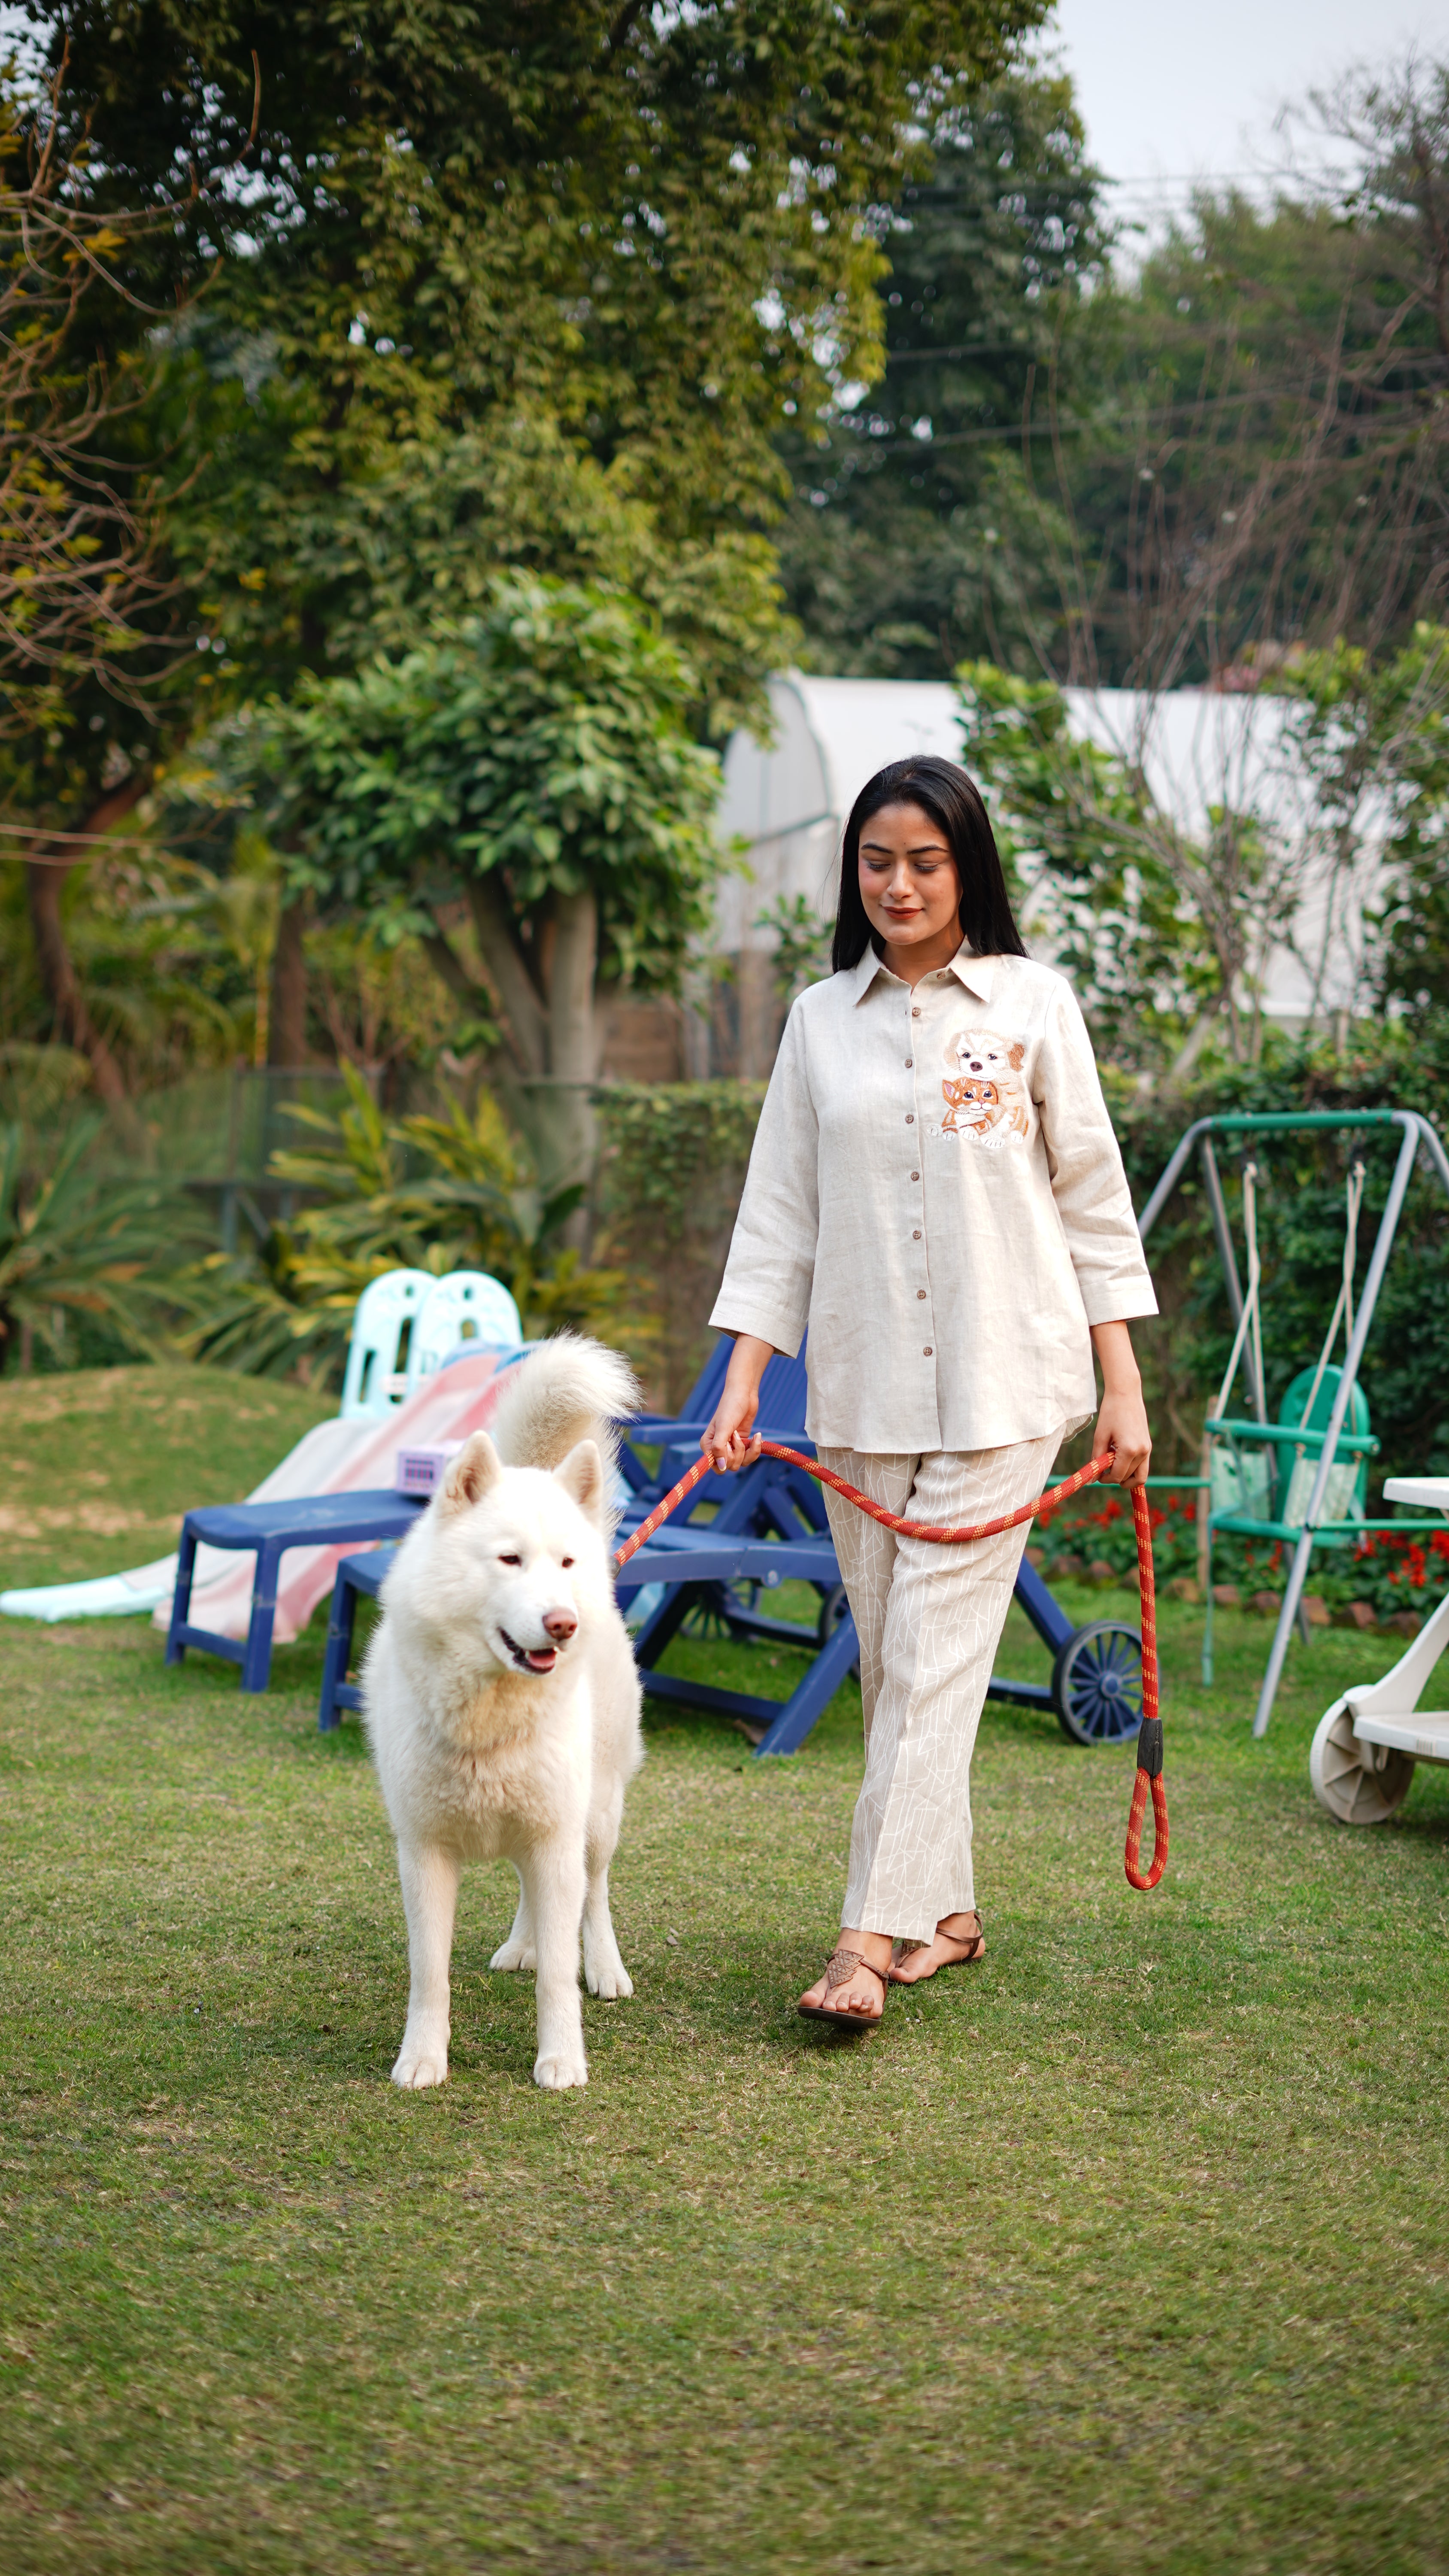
(986, 1100)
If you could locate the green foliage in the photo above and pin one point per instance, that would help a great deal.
(1136, 909)
(1301, 1233)
(1268, 460)
(588, 250)
(802, 943)
(545, 747)
(671, 1173)
(1158, 926)
(670, 1144)
(77, 1247)
(91, 660)
(913, 536)
(422, 1193)
(1374, 737)
(1237, 447)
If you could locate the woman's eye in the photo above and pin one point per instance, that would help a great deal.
(510, 1560)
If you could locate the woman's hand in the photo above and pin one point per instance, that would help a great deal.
(1122, 1422)
(727, 1443)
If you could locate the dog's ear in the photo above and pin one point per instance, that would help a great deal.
(1017, 1054)
(581, 1474)
(472, 1474)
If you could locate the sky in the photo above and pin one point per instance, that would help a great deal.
(1172, 90)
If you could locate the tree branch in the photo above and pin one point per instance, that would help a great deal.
(47, 865)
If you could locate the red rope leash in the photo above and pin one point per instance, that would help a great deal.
(1149, 1742)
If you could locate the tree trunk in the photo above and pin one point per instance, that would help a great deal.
(47, 866)
(287, 1015)
(573, 1044)
(551, 1024)
(525, 1022)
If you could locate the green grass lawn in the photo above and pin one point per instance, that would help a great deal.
(1127, 2251)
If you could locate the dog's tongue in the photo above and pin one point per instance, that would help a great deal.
(541, 1659)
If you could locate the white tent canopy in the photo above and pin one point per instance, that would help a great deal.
(1199, 749)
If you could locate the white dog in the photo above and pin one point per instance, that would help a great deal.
(502, 1702)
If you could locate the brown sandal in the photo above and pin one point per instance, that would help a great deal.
(973, 1946)
(840, 1967)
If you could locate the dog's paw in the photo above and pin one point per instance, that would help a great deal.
(420, 2063)
(608, 1978)
(558, 2072)
(516, 1954)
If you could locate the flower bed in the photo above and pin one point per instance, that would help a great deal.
(1388, 1571)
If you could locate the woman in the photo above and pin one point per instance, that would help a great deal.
(936, 1189)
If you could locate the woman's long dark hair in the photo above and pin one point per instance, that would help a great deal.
(954, 804)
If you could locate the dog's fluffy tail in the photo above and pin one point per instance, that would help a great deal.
(569, 1391)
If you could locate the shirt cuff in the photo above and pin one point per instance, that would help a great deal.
(1112, 1301)
(770, 1324)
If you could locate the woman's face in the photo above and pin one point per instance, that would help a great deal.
(909, 883)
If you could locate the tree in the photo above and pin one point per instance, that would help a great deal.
(892, 548)
(1152, 926)
(1171, 479)
(1377, 736)
(1264, 464)
(587, 233)
(536, 766)
(90, 651)
(1168, 930)
(523, 286)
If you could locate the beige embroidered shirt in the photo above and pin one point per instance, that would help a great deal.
(935, 1188)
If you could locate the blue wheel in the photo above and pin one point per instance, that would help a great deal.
(1097, 1683)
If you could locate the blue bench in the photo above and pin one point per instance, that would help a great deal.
(359, 1578)
(266, 1531)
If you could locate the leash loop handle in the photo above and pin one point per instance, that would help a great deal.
(1149, 1781)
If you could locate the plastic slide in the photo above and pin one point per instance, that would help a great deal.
(332, 1458)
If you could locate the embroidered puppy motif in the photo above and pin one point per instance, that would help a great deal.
(986, 1099)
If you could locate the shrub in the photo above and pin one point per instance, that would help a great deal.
(454, 1192)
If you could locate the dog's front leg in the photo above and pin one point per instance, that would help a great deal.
(430, 1896)
(553, 1881)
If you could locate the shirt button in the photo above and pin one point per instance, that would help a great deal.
(916, 1237)
(915, 1176)
(910, 1117)
(910, 1060)
(920, 1292)
(926, 1352)
(915, 1010)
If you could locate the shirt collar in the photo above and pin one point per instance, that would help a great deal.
(976, 973)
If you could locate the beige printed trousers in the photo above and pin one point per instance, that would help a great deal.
(929, 1619)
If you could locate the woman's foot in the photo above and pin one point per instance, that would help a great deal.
(854, 1983)
(959, 1943)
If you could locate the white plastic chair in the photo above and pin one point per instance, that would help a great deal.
(374, 1385)
(466, 1307)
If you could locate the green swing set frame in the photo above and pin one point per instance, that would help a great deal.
(1344, 1436)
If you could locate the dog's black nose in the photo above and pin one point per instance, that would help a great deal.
(560, 1625)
